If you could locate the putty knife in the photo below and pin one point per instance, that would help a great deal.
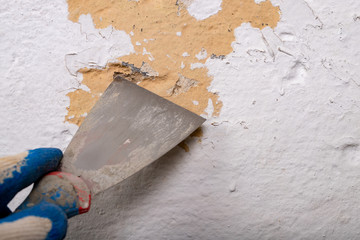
(127, 129)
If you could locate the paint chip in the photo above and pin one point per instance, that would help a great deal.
(182, 65)
(146, 68)
(202, 54)
(196, 65)
(182, 85)
(185, 54)
(210, 108)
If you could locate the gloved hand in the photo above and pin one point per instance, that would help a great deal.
(54, 198)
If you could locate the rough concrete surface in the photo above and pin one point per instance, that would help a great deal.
(281, 161)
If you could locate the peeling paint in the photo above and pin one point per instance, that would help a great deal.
(161, 32)
(182, 85)
(293, 174)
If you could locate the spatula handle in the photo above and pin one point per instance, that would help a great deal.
(55, 197)
(65, 190)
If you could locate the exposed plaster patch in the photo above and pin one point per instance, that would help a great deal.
(214, 34)
(98, 80)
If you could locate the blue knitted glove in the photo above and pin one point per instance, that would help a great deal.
(55, 197)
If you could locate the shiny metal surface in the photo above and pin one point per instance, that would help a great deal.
(128, 128)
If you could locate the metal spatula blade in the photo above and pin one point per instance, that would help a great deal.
(127, 129)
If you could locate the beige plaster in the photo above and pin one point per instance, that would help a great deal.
(155, 25)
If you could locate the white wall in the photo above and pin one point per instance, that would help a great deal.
(282, 161)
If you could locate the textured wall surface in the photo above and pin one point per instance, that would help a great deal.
(279, 156)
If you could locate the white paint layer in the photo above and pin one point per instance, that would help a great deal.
(41, 51)
(103, 47)
(282, 160)
(202, 9)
